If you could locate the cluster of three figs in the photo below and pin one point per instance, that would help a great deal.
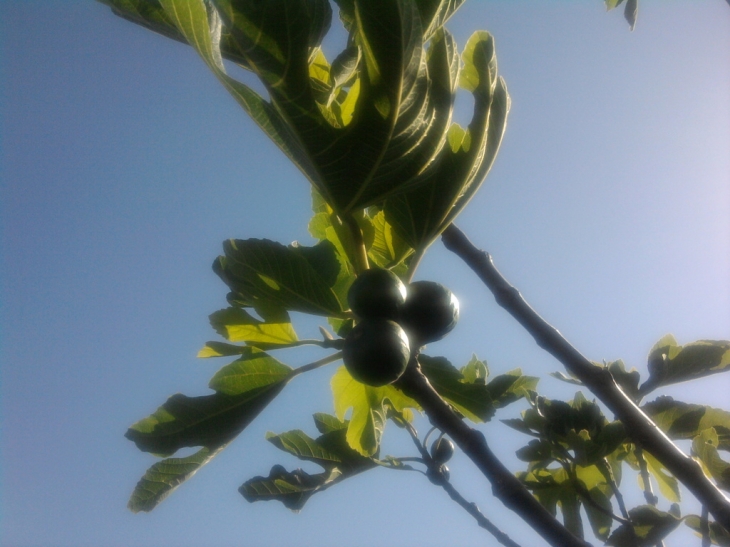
(393, 322)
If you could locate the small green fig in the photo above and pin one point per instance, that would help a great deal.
(438, 475)
(442, 450)
(376, 294)
(430, 312)
(376, 352)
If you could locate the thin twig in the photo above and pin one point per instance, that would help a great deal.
(649, 495)
(607, 472)
(505, 486)
(586, 495)
(597, 379)
(469, 507)
(705, 525)
(474, 511)
(316, 364)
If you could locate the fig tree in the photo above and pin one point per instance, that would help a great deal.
(430, 312)
(441, 450)
(376, 352)
(376, 294)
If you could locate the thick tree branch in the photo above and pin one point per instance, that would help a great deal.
(640, 428)
(505, 486)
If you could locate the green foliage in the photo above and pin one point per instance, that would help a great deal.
(670, 363)
(372, 132)
(649, 527)
(330, 451)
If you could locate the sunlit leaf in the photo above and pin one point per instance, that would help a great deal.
(255, 369)
(369, 411)
(477, 401)
(668, 485)
(670, 363)
(685, 421)
(458, 171)
(237, 325)
(704, 447)
(296, 278)
(220, 349)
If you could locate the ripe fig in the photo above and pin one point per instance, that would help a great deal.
(376, 294)
(441, 450)
(430, 312)
(376, 352)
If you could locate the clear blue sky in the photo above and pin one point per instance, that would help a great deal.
(125, 165)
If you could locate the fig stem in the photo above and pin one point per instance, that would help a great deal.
(316, 364)
(361, 253)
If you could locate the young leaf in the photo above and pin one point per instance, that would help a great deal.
(670, 363)
(163, 477)
(704, 446)
(369, 409)
(265, 273)
(237, 325)
(293, 489)
(330, 451)
(685, 421)
(668, 485)
(650, 526)
(476, 401)
(255, 369)
(220, 349)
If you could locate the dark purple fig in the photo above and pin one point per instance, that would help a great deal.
(442, 450)
(438, 475)
(376, 352)
(430, 312)
(376, 294)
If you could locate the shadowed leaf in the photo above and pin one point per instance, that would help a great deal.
(670, 363)
(477, 401)
(262, 272)
(685, 421)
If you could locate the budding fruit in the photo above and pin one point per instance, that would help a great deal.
(376, 294)
(430, 312)
(376, 352)
(442, 450)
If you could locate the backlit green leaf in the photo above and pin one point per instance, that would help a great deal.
(704, 446)
(668, 485)
(237, 325)
(255, 369)
(670, 363)
(296, 278)
(368, 405)
(459, 169)
(685, 421)
(476, 401)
